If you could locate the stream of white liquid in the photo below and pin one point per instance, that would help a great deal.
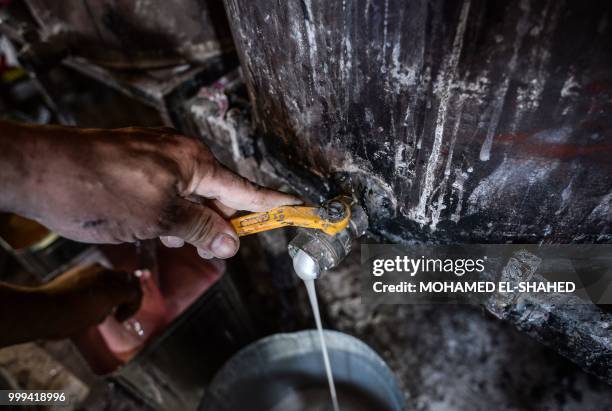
(312, 296)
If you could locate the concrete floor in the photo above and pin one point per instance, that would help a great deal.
(456, 358)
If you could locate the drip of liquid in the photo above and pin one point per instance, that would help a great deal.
(312, 296)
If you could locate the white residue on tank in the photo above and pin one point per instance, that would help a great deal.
(570, 88)
(369, 117)
(511, 180)
(482, 195)
(439, 206)
(554, 135)
(565, 197)
(603, 210)
(296, 35)
(498, 104)
(476, 90)
(401, 76)
(401, 165)
(346, 62)
(312, 41)
(383, 67)
(443, 85)
(425, 80)
(539, 69)
(458, 190)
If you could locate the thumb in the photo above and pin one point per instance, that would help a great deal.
(205, 229)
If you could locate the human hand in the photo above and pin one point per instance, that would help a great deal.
(85, 296)
(77, 299)
(123, 185)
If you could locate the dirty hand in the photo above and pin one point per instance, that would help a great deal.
(122, 185)
(75, 300)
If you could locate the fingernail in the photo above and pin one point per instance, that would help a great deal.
(297, 201)
(172, 242)
(223, 246)
(204, 254)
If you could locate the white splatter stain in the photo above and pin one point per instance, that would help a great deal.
(419, 213)
(440, 206)
(510, 181)
(565, 197)
(400, 164)
(460, 179)
(384, 46)
(311, 40)
(400, 75)
(603, 211)
(521, 29)
(570, 87)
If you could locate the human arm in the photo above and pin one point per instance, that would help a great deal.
(75, 300)
(123, 185)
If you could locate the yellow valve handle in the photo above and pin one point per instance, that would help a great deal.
(298, 216)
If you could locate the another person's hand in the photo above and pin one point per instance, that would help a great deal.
(86, 295)
(123, 185)
(77, 299)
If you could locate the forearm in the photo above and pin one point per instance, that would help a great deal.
(33, 162)
(13, 147)
(123, 185)
(21, 152)
(21, 309)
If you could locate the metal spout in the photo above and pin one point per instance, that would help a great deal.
(314, 252)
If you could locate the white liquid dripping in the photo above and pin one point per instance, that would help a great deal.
(312, 296)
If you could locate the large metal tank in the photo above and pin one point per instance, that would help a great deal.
(482, 121)
(136, 34)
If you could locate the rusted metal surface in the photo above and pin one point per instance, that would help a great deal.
(481, 121)
(137, 34)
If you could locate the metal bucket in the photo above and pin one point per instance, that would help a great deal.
(286, 372)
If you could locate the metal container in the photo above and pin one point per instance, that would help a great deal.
(466, 121)
(167, 353)
(276, 372)
(172, 373)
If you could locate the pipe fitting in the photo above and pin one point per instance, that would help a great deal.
(313, 251)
